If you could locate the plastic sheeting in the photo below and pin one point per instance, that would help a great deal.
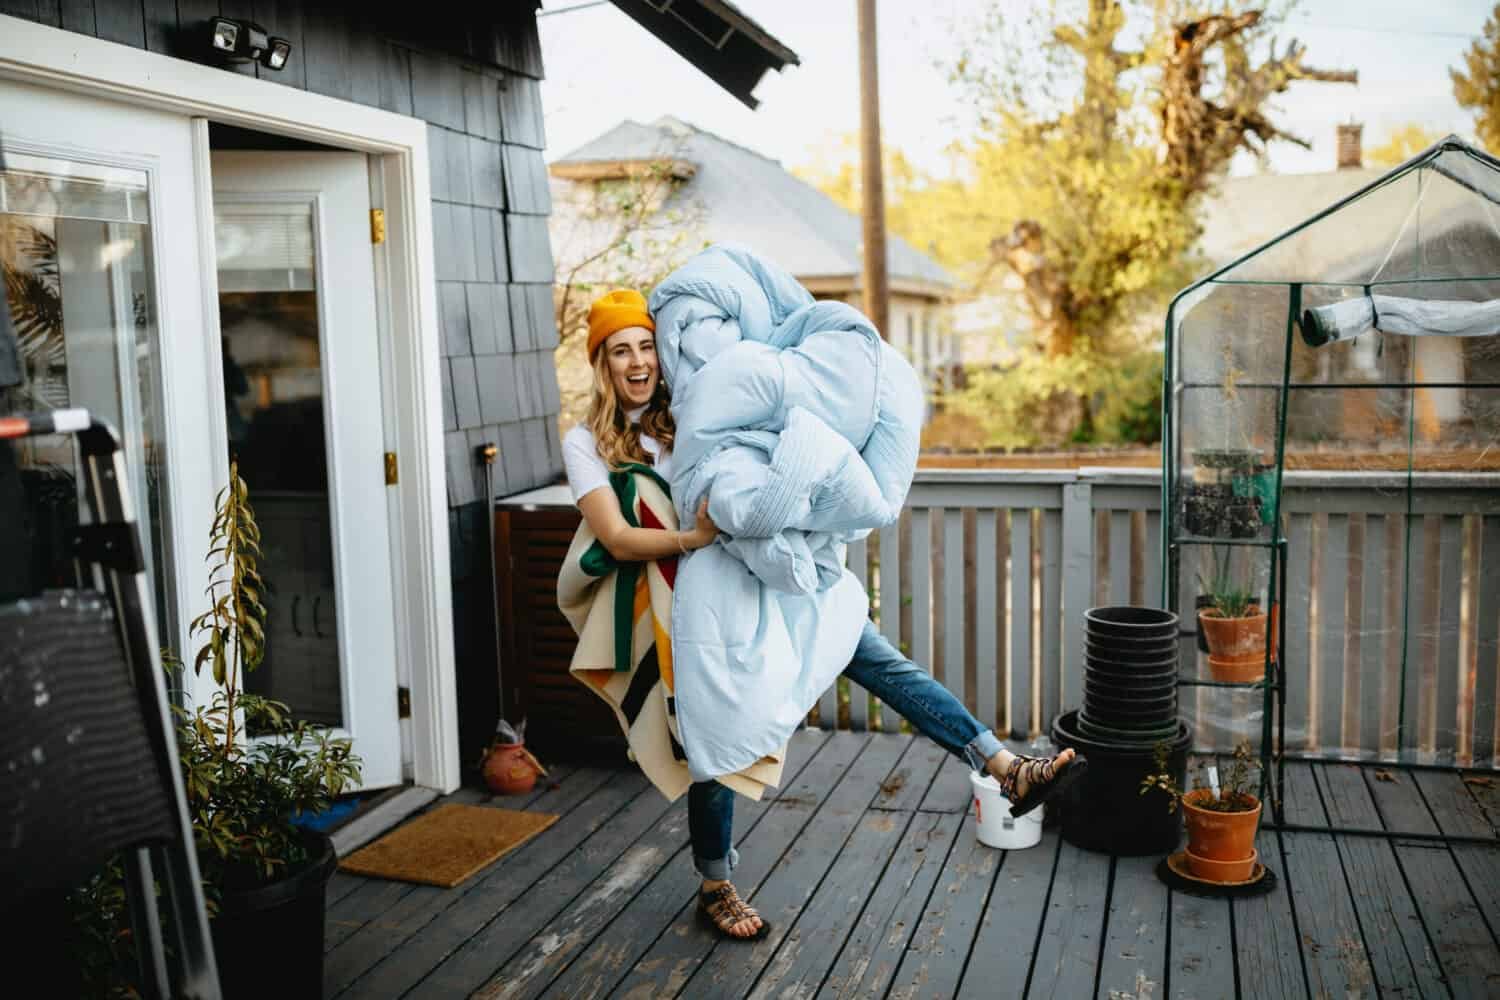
(1354, 487)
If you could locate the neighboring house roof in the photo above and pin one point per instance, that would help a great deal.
(715, 36)
(1247, 212)
(748, 198)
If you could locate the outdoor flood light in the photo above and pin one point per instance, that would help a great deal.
(246, 41)
(277, 55)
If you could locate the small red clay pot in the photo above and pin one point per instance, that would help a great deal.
(1221, 871)
(1238, 670)
(1219, 836)
(510, 769)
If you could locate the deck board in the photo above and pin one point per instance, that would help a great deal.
(1465, 947)
(1400, 804)
(869, 957)
(808, 951)
(597, 967)
(1267, 949)
(682, 948)
(1202, 953)
(1067, 954)
(426, 920)
(1334, 952)
(784, 894)
(1134, 960)
(1012, 922)
(601, 873)
(867, 864)
(1454, 808)
(933, 962)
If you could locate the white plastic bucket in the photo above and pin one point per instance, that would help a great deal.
(997, 827)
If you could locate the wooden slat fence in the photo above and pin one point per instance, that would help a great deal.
(986, 577)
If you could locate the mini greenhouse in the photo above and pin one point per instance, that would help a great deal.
(1331, 465)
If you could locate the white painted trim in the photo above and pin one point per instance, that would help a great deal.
(423, 482)
(55, 58)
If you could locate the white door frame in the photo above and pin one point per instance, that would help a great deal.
(398, 146)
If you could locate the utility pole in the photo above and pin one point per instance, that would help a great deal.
(872, 180)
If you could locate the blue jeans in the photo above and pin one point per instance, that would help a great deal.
(880, 669)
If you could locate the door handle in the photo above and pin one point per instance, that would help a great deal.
(295, 628)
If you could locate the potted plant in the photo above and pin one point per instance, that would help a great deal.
(508, 767)
(267, 873)
(1231, 624)
(1222, 500)
(249, 769)
(1221, 817)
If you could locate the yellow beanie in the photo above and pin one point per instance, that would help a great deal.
(615, 311)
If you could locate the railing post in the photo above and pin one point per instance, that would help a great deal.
(1078, 582)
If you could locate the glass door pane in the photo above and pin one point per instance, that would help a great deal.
(75, 252)
(273, 391)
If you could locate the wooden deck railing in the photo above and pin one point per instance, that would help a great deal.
(993, 569)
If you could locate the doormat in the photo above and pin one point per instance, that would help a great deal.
(447, 845)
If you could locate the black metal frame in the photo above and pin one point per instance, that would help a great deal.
(112, 542)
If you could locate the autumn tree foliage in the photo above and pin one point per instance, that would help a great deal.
(1477, 85)
(1098, 128)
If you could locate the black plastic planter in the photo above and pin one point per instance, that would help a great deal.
(1104, 710)
(1094, 687)
(1135, 652)
(1121, 734)
(1110, 664)
(1104, 810)
(1128, 621)
(268, 941)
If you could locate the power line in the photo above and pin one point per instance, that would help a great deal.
(569, 10)
(1463, 35)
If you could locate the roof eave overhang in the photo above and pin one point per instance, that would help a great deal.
(717, 38)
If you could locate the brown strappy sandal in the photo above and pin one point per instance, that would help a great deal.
(1043, 778)
(720, 909)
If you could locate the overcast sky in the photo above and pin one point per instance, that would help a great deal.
(603, 68)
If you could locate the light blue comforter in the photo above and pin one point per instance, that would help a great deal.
(801, 426)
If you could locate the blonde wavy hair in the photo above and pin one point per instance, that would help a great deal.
(616, 438)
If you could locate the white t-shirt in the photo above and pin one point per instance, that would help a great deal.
(587, 471)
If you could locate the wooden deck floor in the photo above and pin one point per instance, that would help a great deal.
(868, 867)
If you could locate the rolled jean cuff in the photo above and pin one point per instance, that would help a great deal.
(981, 748)
(717, 869)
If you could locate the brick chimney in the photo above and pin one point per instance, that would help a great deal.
(1350, 155)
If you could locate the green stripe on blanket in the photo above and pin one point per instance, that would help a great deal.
(598, 561)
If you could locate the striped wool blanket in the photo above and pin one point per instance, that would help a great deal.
(622, 612)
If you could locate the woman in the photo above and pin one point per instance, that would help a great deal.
(629, 422)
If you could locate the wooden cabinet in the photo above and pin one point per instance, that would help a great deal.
(564, 720)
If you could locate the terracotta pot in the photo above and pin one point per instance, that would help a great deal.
(1222, 871)
(510, 769)
(1237, 669)
(1219, 836)
(1234, 637)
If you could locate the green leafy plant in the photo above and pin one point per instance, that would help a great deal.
(1230, 598)
(241, 793)
(1237, 784)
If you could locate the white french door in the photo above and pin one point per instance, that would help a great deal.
(95, 208)
(303, 421)
(102, 210)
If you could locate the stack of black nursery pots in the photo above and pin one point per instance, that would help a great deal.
(1129, 710)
